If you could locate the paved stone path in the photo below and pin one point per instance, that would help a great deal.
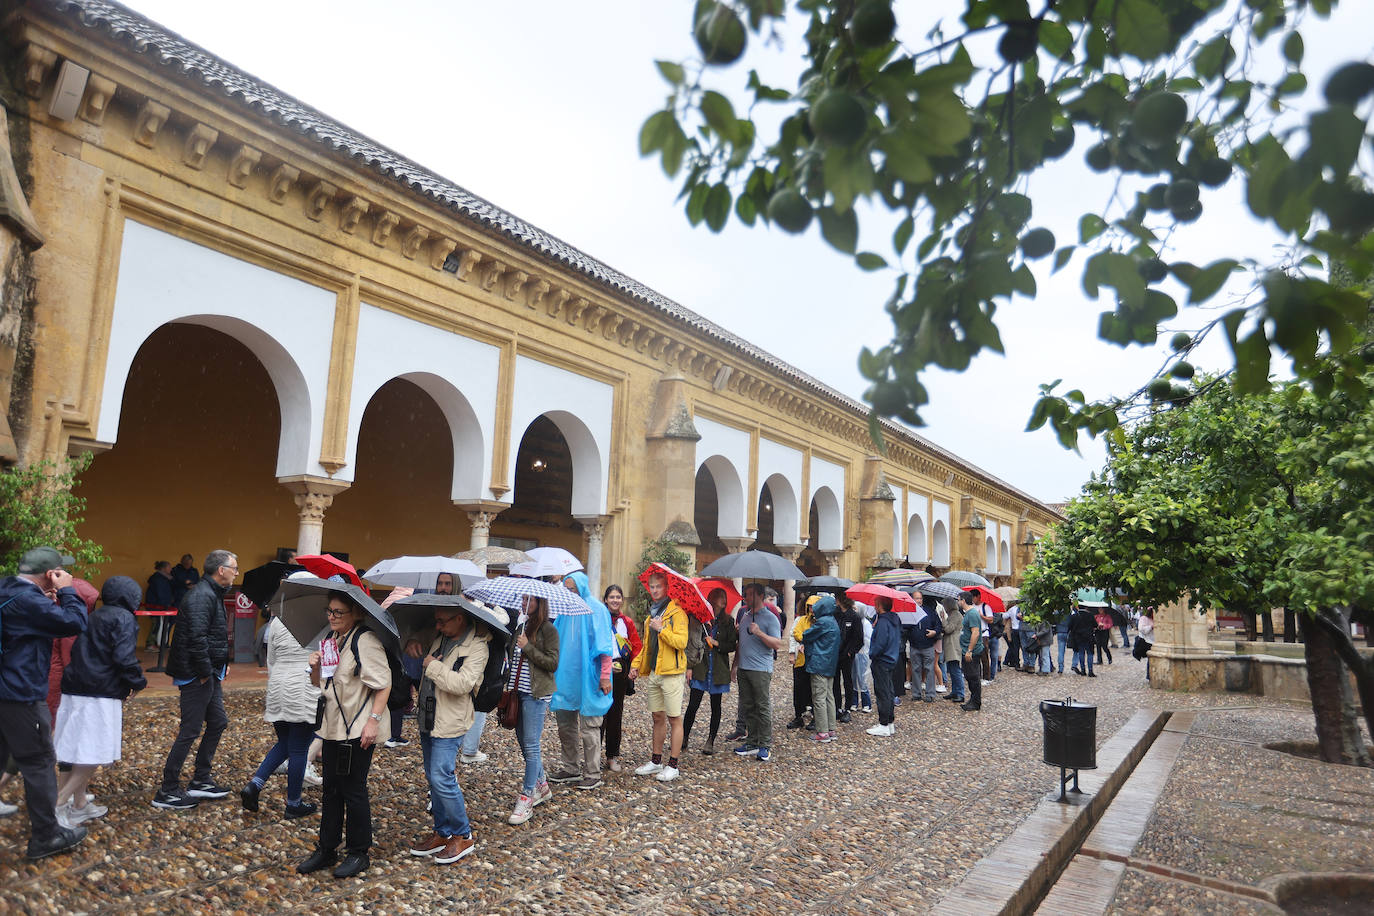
(864, 825)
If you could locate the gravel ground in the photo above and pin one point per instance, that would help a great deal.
(1144, 894)
(862, 825)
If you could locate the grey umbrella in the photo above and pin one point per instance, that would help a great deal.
(963, 578)
(416, 612)
(823, 584)
(753, 564)
(301, 604)
(937, 589)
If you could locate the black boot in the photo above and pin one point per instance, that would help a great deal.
(320, 858)
(249, 795)
(795, 723)
(353, 864)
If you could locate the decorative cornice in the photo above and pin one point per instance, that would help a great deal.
(199, 139)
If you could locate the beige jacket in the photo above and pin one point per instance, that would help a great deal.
(453, 689)
(354, 693)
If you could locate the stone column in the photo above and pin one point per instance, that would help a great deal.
(1182, 658)
(790, 552)
(875, 516)
(313, 496)
(593, 533)
(669, 507)
(832, 562)
(481, 514)
(737, 545)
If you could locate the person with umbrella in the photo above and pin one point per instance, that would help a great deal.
(712, 674)
(583, 691)
(882, 656)
(627, 646)
(355, 713)
(453, 669)
(760, 636)
(663, 663)
(533, 666)
(821, 642)
(972, 644)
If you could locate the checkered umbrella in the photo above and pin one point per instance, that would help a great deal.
(896, 577)
(937, 589)
(509, 592)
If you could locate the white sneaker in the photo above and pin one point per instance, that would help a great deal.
(891, 729)
(478, 757)
(649, 769)
(666, 774)
(878, 731)
(7, 810)
(941, 688)
(91, 811)
(987, 683)
(312, 776)
(524, 810)
(542, 793)
(64, 815)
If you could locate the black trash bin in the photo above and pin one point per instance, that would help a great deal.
(1070, 738)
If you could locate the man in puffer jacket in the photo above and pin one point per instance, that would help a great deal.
(199, 662)
(822, 643)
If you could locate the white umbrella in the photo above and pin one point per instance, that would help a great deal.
(546, 561)
(422, 572)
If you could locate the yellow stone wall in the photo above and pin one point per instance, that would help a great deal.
(163, 150)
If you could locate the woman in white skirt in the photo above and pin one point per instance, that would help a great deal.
(104, 671)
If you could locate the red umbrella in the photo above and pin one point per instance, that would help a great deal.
(682, 590)
(325, 565)
(989, 597)
(732, 597)
(865, 592)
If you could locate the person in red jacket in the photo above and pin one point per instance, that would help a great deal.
(627, 646)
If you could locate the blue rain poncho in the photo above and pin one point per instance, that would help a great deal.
(582, 640)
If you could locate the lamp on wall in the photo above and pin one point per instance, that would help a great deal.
(538, 464)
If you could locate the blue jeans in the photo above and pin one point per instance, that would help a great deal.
(473, 738)
(1063, 640)
(862, 679)
(293, 742)
(955, 670)
(994, 658)
(1083, 659)
(450, 811)
(529, 733)
(1042, 661)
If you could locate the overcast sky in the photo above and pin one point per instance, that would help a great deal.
(536, 106)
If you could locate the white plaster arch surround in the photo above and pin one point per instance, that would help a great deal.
(990, 562)
(1004, 558)
(939, 544)
(582, 409)
(724, 451)
(827, 492)
(916, 548)
(783, 465)
(287, 323)
(459, 373)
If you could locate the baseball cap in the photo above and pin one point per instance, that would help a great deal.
(42, 559)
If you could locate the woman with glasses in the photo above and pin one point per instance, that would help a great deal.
(354, 715)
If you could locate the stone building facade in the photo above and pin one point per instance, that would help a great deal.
(273, 332)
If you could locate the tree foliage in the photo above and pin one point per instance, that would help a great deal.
(656, 550)
(38, 508)
(943, 137)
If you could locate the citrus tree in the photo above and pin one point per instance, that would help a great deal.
(894, 119)
(38, 509)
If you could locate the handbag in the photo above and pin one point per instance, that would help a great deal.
(508, 707)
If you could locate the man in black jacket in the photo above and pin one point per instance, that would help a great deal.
(851, 641)
(199, 662)
(36, 607)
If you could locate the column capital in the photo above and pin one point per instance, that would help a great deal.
(313, 496)
(790, 552)
(737, 545)
(482, 512)
(594, 526)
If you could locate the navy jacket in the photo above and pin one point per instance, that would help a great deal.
(886, 639)
(822, 639)
(159, 590)
(29, 622)
(918, 637)
(104, 658)
(200, 642)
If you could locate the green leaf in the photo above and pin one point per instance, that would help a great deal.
(696, 203)
(674, 147)
(1337, 133)
(717, 208)
(840, 229)
(671, 72)
(1141, 29)
(869, 261)
(1055, 38)
(746, 209)
(1213, 57)
(1292, 84)
(1090, 227)
(901, 237)
(654, 131)
(1293, 48)
(720, 114)
(1209, 280)
(1061, 257)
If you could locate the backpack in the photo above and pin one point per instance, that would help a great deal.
(696, 641)
(397, 699)
(488, 693)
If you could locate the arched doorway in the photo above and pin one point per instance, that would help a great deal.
(546, 479)
(194, 463)
(916, 552)
(939, 545)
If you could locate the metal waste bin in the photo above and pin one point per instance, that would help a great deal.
(1070, 739)
(243, 636)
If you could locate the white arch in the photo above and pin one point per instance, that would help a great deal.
(730, 511)
(785, 518)
(784, 463)
(1004, 558)
(394, 346)
(939, 544)
(916, 550)
(164, 280)
(829, 521)
(990, 562)
(896, 532)
(581, 408)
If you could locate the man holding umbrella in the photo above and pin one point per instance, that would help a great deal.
(453, 668)
(662, 662)
(760, 635)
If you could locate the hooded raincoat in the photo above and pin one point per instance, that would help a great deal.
(583, 640)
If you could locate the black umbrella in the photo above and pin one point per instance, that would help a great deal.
(260, 583)
(753, 564)
(416, 612)
(823, 584)
(302, 603)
